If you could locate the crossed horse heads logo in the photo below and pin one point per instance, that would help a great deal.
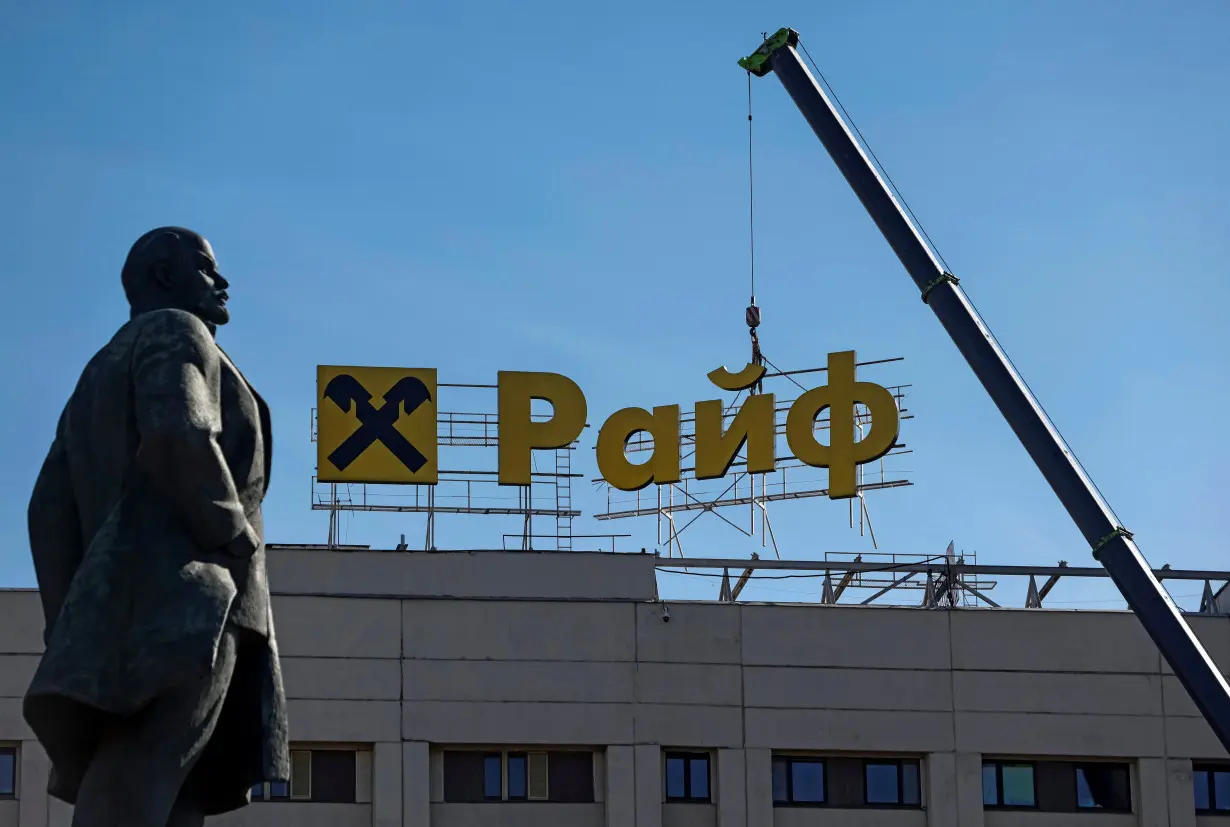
(377, 424)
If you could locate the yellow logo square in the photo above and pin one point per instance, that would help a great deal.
(376, 425)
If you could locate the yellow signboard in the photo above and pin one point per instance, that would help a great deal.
(376, 425)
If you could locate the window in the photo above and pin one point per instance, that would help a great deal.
(301, 774)
(1212, 787)
(570, 776)
(472, 776)
(468, 779)
(8, 772)
(892, 782)
(333, 776)
(322, 775)
(518, 777)
(846, 782)
(493, 777)
(1103, 786)
(271, 791)
(798, 780)
(537, 784)
(1057, 786)
(1008, 784)
(687, 776)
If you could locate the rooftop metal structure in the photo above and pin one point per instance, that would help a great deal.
(947, 581)
(468, 439)
(677, 506)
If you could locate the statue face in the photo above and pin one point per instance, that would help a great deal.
(200, 286)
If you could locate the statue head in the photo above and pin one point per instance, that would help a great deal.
(174, 268)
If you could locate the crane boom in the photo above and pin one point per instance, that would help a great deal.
(1112, 545)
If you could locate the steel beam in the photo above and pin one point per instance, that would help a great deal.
(938, 565)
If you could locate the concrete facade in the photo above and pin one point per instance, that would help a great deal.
(399, 658)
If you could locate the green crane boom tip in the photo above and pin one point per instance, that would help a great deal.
(758, 62)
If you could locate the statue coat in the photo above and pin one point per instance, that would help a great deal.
(161, 459)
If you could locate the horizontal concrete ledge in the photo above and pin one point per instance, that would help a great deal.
(500, 575)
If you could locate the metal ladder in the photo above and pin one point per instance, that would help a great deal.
(563, 498)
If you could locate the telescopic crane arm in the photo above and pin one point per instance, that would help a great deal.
(1112, 544)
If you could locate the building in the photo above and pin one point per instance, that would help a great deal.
(458, 689)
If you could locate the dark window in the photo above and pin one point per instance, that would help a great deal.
(1212, 788)
(1008, 784)
(464, 777)
(301, 774)
(892, 782)
(687, 776)
(798, 780)
(493, 778)
(911, 784)
(1057, 786)
(883, 783)
(271, 791)
(570, 777)
(518, 779)
(536, 769)
(1221, 791)
(333, 776)
(781, 781)
(316, 775)
(472, 776)
(1103, 787)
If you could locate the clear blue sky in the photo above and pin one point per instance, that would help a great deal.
(561, 186)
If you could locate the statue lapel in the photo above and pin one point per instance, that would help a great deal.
(263, 408)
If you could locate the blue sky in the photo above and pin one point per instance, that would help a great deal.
(563, 187)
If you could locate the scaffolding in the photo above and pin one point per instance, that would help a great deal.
(469, 439)
(948, 581)
(677, 506)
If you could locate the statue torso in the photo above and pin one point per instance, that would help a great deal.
(102, 443)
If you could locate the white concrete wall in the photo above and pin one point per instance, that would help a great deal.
(688, 815)
(388, 667)
(21, 643)
(828, 817)
(620, 787)
(518, 814)
(296, 814)
(1019, 819)
(730, 786)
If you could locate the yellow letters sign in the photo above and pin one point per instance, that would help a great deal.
(663, 464)
(379, 425)
(376, 425)
(519, 433)
(842, 454)
(754, 426)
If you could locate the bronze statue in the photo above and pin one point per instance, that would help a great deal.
(159, 697)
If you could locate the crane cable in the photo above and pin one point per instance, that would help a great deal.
(752, 314)
(751, 191)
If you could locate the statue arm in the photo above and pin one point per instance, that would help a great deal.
(178, 406)
(55, 531)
